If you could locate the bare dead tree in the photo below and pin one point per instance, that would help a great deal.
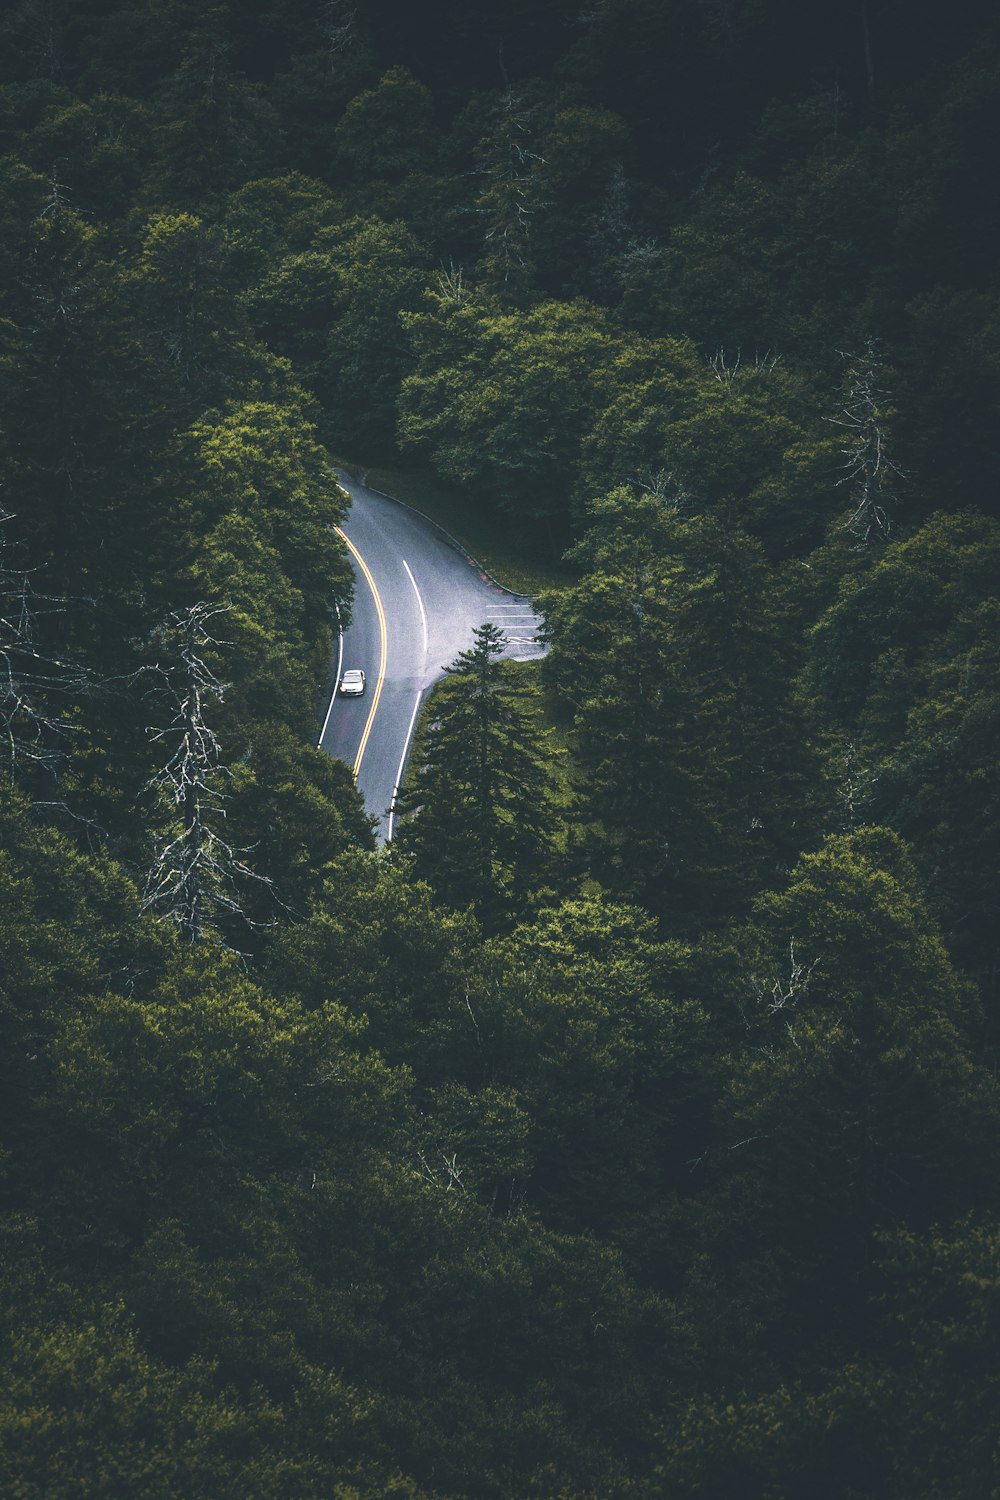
(59, 193)
(780, 992)
(451, 284)
(37, 686)
(508, 196)
(195, 872)
(338, 23)
(851, 787)
(447, 1176)
(864, 420)
(663, 485)
(727, 368)
(775, 997)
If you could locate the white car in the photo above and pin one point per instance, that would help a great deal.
(352, 684)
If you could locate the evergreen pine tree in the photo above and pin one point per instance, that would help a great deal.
(481, 806)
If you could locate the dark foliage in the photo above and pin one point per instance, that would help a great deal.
(630, 1125)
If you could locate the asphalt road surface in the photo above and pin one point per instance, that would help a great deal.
(417, 601)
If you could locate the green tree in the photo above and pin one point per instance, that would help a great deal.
(670, 657)
(385, 133)
(829, 1435)
(899, 669)
(335, 309)
(867, 652)
(508, 197)
(297, 808)
(610, 665)
(611, 1071)
(273, 217)
(480, 799)
(380, 271)
(254, 525)
(906, 1414)
(378, 940)
(84, 1407)
(649, 387)
(718, 281)
(67, 922)
(216, 129)
(48, 397)
(938, 786)
(736, 436)
(128, 53)
(947, 382)
(856, 1102)
(504, 401)
(579, 151)
(329, 61)
(187, 305)
(99, 147)
(937, 1304)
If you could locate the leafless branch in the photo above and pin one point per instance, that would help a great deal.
(778, 993)
(868, 469)
(448, 1176)
(727, 369)
(509, 195)
(451, 285)
(194, 869)
(338, 24)
(34, 681)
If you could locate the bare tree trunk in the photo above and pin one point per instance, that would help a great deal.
(191, 915)
(194, 872)
(863, 416)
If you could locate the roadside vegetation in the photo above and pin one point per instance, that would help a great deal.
(630, 1125)
(524, 559)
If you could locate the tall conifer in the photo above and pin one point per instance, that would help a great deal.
(481, 798)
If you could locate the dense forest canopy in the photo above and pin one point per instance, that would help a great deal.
(629, 1125)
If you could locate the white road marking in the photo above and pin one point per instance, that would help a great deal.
(402, 759)
(420, 602)
(336, 680)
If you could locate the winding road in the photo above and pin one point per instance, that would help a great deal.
(417, 601)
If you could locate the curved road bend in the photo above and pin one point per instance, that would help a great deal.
(417, 601)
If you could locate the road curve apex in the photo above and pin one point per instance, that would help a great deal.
(452, 541)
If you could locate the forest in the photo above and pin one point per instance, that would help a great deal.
(628, 1126)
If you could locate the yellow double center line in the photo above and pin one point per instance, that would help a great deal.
(383, 651)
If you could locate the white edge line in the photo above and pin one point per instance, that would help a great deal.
(420, 602)
(402, 760)
(333, 695)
